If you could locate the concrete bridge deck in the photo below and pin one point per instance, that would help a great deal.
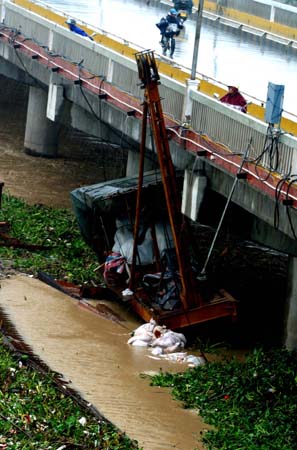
(102, 97)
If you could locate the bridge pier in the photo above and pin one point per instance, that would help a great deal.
(2, 10)
(41, 134)
(195, 183)
(290, 338)
(132, 167)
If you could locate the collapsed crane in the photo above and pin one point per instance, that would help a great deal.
(195, 307)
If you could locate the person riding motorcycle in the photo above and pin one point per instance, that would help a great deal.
(169, 28)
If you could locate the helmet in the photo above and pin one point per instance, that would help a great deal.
(173, 12)
(70, 22)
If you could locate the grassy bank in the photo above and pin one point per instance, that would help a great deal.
(66, 256)
(251, 404)
(36, 410)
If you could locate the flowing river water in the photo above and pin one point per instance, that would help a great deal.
(255, 275)
(49, 181)
(92, 351)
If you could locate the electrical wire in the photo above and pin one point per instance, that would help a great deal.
(278, 191)
(272, 147)
(288, 208)
(271, 151)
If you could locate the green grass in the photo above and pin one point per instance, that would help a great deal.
(37, 413)
(68, 256)
(252, 405)
(34, 412)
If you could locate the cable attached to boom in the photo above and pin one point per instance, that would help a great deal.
(202, 275)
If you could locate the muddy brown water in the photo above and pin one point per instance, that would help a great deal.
(90, 350)
(81, 161)
(87, 349)
(92, 354)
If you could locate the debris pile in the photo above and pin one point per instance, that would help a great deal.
(164, 343)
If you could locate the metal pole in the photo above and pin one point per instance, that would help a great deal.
(202, 274)
(197, 39)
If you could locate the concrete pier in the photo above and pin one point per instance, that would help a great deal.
(290, 338)
(41, 135)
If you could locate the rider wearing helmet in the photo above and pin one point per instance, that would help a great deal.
(73, 27)
(170, 28)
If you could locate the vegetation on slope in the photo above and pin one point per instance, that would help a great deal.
(252, 404)
(67, 256)
(38, 412)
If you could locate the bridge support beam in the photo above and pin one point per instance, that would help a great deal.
(132, 167)
(193, 193)
(41, 134)
(290, 337)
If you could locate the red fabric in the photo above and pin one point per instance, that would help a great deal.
(234, 98)
(114, 268)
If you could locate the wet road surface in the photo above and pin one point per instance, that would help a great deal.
(225, 55)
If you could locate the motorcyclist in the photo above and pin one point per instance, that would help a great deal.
(73, 27)
(169, 28)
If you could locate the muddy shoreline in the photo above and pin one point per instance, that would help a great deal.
(254, 275)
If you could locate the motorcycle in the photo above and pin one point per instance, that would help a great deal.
(182, 14)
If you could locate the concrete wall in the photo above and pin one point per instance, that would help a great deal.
(236, 130)
(273, 16)
(269, 10)
(209, 117)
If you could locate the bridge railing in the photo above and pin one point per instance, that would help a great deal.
(236, 130)
(178, 72)
(209, 117)
(276, 13)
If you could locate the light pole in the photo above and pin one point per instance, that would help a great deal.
(197, 39)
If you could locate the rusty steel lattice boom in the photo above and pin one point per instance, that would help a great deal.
(194, 307)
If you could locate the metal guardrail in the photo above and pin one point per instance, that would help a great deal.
(235, 130)
(186, 70)
(209, 117)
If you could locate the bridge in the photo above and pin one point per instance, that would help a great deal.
(93, 86)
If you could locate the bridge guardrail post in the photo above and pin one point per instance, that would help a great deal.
(110, 68)
(2, 10)
(191, 85)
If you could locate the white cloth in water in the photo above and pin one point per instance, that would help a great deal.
(124, 241)
(141, 340)
(170, 340)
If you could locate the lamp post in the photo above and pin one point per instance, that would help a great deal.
(197, 39)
